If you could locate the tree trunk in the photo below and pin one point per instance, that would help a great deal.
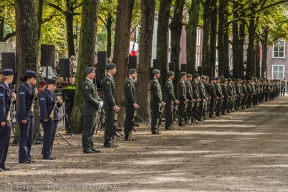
(2, 22)
(213, 37)
(235, 43)
(176, 32)
(109, 35)
(145, 55)
(257, 57)
(241, 47)
(264, 53)
(221, 32)
(39, 16)
(121, 50)
(69, 33)
(192, 36)
(27, 40)
(250, 50)
(162, 33)
(206, 34)
(86, 56)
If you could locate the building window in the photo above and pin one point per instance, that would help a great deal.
(279, 49)
(278, 72)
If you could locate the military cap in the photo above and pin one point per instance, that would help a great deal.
(229, 79)
(213, 78)
(189, 75)
(252, 77)
(170, 73)
(155, 71)
(195, 75)
(182, 74)
(110, 66)
(89, 70)
(131, 71)
(203, 77)
(30, 73)
(216, 78)
(244, 81)
(7, 72)
(224, 79)
(51, 81)
(233, 79)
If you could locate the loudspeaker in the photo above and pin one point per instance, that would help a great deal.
(132, 62)
(156, 64)
(102, 60)
(200, 70)
(100, 73)
(47, 55)
(172, 66)
(241, 74)
(64, 67)
(8, 60)
(248, 75)
(183, 68)
(210, 72)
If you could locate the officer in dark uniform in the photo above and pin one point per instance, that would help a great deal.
(110, 107)
(6, 96)
(25, 117)
(130, 103)
(182, 98)
(213, 96)
(49, 102)
(69, 100)
(155, 100)
(169, 99)
(91, 105)
(196, 96)
(189, 96)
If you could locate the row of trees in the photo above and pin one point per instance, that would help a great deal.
(233, 23)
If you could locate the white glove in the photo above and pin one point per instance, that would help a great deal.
(100, 104)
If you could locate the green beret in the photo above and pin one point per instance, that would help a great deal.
(155, 71)
(195, 75)
(182, 74)
(110, 66)
(89, 70)
(131, 71)
(189, 75)
(233, 79)
(170, 73)
(203, 77)
(244, 81)
(229, 79)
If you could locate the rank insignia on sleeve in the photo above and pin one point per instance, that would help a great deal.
(128, 84)
(107, 82)
(86, 87)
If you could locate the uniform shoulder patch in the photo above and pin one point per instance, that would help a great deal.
(86, 87)
(108, 82)
(155, 84)
(21, 93)
(42, 99)
(129, 84)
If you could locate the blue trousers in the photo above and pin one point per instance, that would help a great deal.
(26, 139)
(49, 128)
(4, 142)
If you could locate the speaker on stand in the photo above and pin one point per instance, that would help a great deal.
(8, 60)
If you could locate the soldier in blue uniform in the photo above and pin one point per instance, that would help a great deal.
(49, 102)
(25, 117)
(6, 95)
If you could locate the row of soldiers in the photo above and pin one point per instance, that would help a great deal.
(197, 99)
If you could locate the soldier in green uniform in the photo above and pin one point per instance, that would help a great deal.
(220, 97)
(130, 103)
(213, 97)
(182, 98)
(91, 104)
(155, 100)
(203, 97)
(230, 93)
(196, 96)
(109, 106)
(189, 96)
(226, 98)
(169, 99)
(249, 94)
(245, 96)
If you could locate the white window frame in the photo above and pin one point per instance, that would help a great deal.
(278, 51)
(273, 65)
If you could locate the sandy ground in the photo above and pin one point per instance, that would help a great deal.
(242, 151)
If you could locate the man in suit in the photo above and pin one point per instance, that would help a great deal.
(169, 99)
(110, 106)
(91, 104)
(130, 103)
(49, 102)
(155, 100)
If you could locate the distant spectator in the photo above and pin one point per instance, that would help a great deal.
(73, 64)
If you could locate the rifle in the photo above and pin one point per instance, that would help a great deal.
(159, 119)
(175, 112)
(133, 121)
(8, 117)
(55, 107)
(33, 103)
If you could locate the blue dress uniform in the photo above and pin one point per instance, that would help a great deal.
(25, 99)
(47, 101)
(5, 101)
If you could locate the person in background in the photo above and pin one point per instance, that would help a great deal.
(73, 64)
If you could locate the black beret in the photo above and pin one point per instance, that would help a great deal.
(110, 66)
(131, 71)
(7, 72)
(182, 74)
(170, 73)
(51, 81)
(30, 73)
(89, 70)
(216, 78)
(155, 71)
(195, 75)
